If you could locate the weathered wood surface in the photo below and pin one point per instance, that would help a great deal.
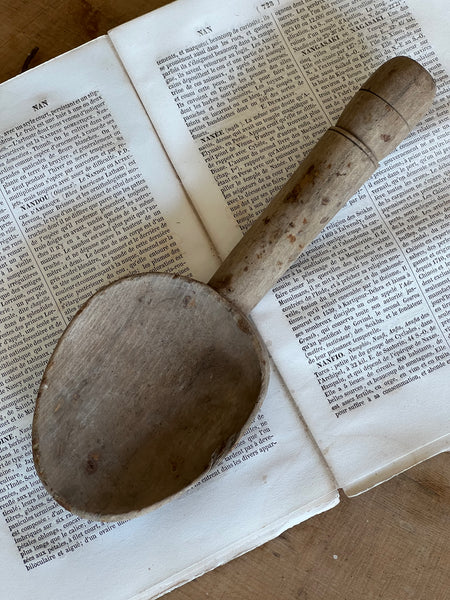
(166, 365)
(379, 116)
(148, 388)
(391, 543)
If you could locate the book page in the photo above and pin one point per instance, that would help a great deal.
(87, 195)
(359, 326)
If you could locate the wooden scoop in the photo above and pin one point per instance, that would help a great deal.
(157, 376)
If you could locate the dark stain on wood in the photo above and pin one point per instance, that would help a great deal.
(226, 280)
(91, 18)
(188, 301)
(92, 463)
(309, 178)
(244, 326)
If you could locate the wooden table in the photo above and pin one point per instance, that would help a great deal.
(392, 543)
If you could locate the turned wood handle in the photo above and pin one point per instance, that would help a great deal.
(377, 119)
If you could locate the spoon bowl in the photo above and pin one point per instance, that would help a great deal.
(172, 404)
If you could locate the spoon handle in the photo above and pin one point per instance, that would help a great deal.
(381, 114)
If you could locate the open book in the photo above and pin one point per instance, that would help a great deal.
(154, 148)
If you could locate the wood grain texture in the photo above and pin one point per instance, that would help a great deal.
(391, 543)
(378, 117)
(331, 173)
(148, 388)
(57, 26)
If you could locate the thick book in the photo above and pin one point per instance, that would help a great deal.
(153, 149)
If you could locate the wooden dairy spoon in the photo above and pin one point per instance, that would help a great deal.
(157, 376)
